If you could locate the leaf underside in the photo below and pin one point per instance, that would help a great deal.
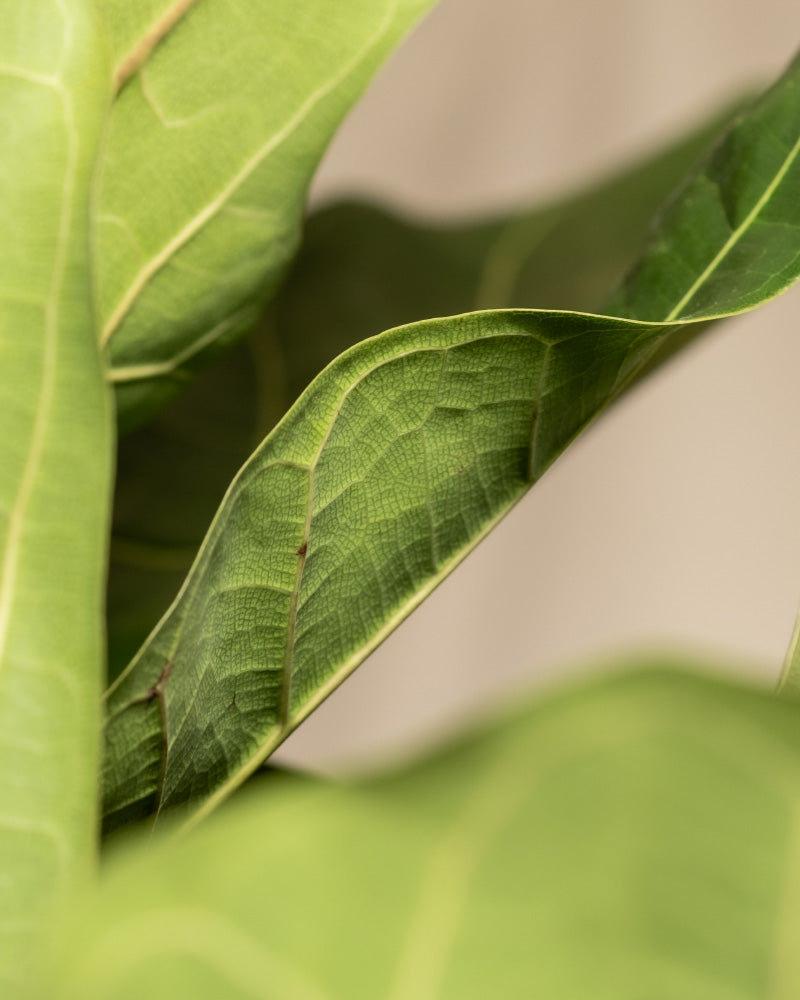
(360, 269)
(224, 148)
(397, 460)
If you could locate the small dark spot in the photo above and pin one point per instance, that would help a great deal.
(158, 688)
(303, 548)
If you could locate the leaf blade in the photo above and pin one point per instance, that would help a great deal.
(646, 821)
(561, 371)
(57, 461)
(209, 245)
(360, 269)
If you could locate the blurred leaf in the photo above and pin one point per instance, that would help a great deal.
(360, 270)
(388, 470)
(206, 165)
(55, 471)
(632, 837)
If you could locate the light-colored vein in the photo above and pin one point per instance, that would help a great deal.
(19, 509)
(157, 31)
(501, 792)
(736, 235)
(157, 369)
(201, 936)
(279, 733)
(205, 215)
(40, 79)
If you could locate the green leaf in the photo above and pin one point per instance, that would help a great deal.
(55, 471)
(633, 837)
(360, 269)
(728, 242)
(387, 471)
(206, 165)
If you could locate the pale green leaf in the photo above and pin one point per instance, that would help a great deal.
(55, 469)
(633, 837)
(360, 269)
(222, 116)
(391, 466)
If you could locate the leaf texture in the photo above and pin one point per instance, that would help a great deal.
(635, 836)
(394, 463)
(55, 471)
(360, 269)
(221, 123)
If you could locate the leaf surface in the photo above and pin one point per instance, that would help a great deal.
(360, 269)
(635, 836)
(391, 466)
(55, 470)
(221, 119)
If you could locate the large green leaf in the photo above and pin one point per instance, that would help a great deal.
(360, 269)
(391, 466)
(222, 116)
(55, 471)
(633, 837)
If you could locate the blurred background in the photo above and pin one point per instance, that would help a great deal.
(672, 523)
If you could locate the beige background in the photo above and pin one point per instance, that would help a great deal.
(673, 522)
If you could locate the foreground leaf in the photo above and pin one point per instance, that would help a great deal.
(634, 837)
(55, 469)
(360, 269)
(206, 165)
(391, 466)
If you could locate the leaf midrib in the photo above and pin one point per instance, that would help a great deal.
(206, 214)
(736, 235)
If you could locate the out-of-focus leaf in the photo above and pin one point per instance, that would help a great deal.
(360, 270)
(55, 470)
(388, 470)
(223, 113)
(632, 837)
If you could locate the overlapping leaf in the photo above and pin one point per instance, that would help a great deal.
(223, 113)
(388, 470)
(55, 470)
(634, 837)
(360, 269)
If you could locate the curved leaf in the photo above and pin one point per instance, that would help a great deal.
(206, 165)
(360, 269)
(394, 463)
(633, 837)
(55, 471)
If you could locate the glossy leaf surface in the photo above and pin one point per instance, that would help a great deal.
(393, 464)
(55, 470)
(633, 837)
(222, 116)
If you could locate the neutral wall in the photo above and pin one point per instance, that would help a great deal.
(674, 521)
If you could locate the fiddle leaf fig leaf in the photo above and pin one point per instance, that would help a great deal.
(645, 822)
(387, 471)
(223, 113)
(360, 269)
(55, 471)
